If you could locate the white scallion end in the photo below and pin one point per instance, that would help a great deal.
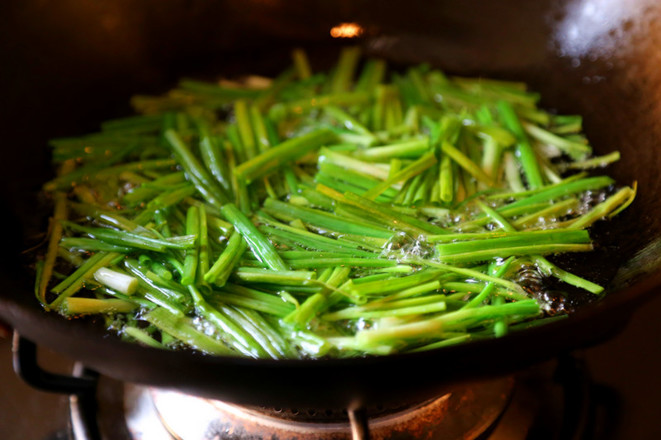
(116, 280)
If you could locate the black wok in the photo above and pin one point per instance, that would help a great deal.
(68, 65)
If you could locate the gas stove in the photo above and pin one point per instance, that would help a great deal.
(607, 392)
(160, 414)
(554, 400)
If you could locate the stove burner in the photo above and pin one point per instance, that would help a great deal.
(555, 399)
(465, 413)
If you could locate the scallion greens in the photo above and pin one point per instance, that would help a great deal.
(338, 213)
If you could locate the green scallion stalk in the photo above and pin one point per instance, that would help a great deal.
(92, 306)
(289, 150)
(90, 244)
(231, 333)
(524, 150)
(242, 115)
(407, 150)
(260, 246)
(353, 164)
(285, 277)
(219, 273)
(452, 321)
(183, 329)
(539, 242)
(212, 156)
(603, 209)
(466, 163)
(574, 149)
(551, 269)
(127, 239)
(345, 119)
(345, 69)
(595, 162)
(555, 192)
(301, 64)
(208, 187)
(163, 297)
(498, 271)
(401, 307)
(325, 220)
(142, 337)
(152, 188)
(254, 299)
(417, 167)
(191, 259)
(395, 284)
(75, 282)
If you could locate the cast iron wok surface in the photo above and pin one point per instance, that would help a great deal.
(69, 65)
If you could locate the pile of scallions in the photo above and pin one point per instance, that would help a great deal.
(342, 213)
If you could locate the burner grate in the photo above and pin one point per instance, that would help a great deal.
(465, 414)
(331, 415)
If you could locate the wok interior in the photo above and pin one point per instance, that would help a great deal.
(76, 64)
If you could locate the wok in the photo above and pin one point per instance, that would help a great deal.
(68, 65)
